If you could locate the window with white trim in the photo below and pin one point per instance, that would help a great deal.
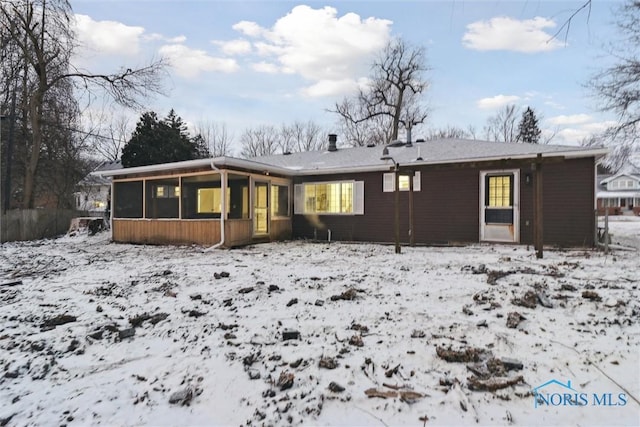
(330, 198)
(389, 183)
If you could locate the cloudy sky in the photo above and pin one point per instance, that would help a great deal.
(250, 63)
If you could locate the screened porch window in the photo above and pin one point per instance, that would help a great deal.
(162, 198)
(127, 201)
(279, 200)
(201, 196)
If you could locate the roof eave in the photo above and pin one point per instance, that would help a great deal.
(385, 167)
(218, 162)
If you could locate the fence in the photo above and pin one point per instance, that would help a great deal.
(33, 224)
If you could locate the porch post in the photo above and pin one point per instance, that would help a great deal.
(412, 240)
(223, 195)
(538, 209)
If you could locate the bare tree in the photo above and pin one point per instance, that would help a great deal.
(42, 31)
(259, 141)
(618, 87)
(293, 138)
(373, 131)
(306, 136)
(451, 132)
(109, 134)
(503, 126)
(287, 138)
(216, 137)
(391, 100)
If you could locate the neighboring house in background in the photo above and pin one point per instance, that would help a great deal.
(463, 191)
(93, 193)
(619, 193)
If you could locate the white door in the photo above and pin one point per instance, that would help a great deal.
(500, 206)
(260, 208)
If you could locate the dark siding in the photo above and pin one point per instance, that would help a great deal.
(526, 204)
(569, 218)
(447, 209)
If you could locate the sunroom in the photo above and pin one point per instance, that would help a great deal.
(218, 202)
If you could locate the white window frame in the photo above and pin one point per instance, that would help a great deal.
(389, 182)
(299, 205)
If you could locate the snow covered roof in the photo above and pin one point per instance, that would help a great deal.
(439, 151)
(96, 178)
(213, 163)
(635, 177)
(360, 159)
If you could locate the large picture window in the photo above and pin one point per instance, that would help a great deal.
(330, 198)
(208, 201)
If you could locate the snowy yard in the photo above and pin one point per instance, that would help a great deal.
(96, 333)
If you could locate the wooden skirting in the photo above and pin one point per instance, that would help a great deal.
(161, 232)
(238, 232)
(280, 229)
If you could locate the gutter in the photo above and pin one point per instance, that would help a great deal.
(223, 212)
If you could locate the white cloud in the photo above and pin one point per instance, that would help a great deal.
(496, 101)
(108, 37)
(189, 62)
(554, 105)
(265, 67)
(330, 88)
(567, 120)
(248, 28)
(577, 132)
(320, 46)
(172, 40)
(504, 33)
(234, 47)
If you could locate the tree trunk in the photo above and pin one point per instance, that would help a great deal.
(35, 110)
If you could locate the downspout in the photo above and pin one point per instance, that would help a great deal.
(223, 213)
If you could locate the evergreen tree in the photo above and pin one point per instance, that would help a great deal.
(528, 130)
(161, 141)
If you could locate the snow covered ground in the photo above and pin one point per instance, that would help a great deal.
(96, 333)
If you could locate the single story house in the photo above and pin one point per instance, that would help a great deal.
(448, 191)
(619, 193)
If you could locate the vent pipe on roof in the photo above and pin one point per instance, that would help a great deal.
(408, 137)
(333, 138)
